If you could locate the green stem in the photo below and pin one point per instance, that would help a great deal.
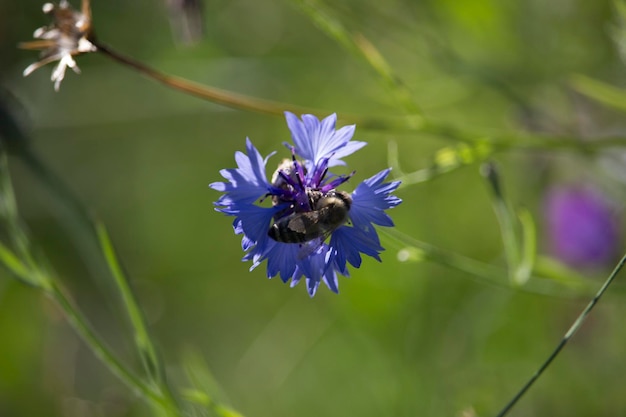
(487, 273)
(483, 272)
(413, 123)
(82, 327)
(505, 219)
(143, 342)
(80, 222)
(215, 95)
(568, 335)
(77, 218)
(361, 47)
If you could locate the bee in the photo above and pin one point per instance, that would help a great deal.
(330, 211)
(287, 168)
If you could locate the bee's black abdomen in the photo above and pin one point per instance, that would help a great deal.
(329, 211)
(274, 232)
(285, 235)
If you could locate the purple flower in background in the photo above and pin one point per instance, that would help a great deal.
(298, 220)
(582, 227)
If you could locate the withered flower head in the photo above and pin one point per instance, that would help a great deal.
(65, 37)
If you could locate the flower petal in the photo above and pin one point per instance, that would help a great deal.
(313, 267)
(255, 220)
(330, 276)
(370, 199)
(315, 140)
(246, 183)
(348, 243)
(281, 260)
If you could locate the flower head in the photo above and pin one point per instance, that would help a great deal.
(582, 227)
(65, 37)
(299, 221)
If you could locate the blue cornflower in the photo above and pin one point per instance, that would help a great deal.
(289, 219)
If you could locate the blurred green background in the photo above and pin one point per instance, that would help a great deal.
(401, 339)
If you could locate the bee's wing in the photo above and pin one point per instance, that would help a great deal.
(316, 230)
(304, 223)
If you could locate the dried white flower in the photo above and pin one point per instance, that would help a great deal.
(65, 37)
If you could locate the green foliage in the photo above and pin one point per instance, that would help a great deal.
(465, 304)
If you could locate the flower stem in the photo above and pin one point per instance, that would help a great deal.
(80, 222)
(568, 335)
(216, 95)
(412, 123)
(484, 272)
(361, 47)
(143, 342)
(505, 217)
(82, 327)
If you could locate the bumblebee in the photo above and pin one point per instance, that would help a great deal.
(330, 211)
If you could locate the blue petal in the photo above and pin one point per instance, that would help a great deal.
(370, 199)
(281, 260)
(295, 279)
(319, 267)
(253, 220)
(236, 225)
(330, 276)
(246, 243)
(246, 183)
(348, 243)
(330, 279)
(311, 285)
(315, 140)
(314, 267)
